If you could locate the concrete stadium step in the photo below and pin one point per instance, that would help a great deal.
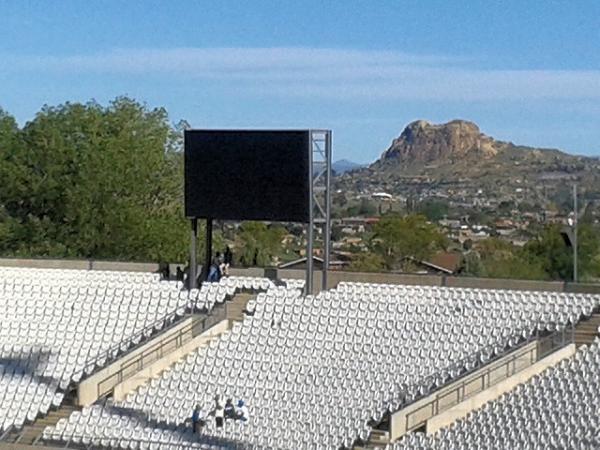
(30, 434)
(587, 330)
(235, 308)
(237, 305)
(378, 440)
(456, 399)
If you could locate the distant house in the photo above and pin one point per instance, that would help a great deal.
(504, 224)
(382, 196)
(357, 221)
(300, 264)
(352, 240)
(449, 223)
(443, 263)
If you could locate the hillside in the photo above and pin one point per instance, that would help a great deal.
(457, 161)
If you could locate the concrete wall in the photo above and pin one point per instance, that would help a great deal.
(121, 390)
(247, 272)
(87, 390)
(475, 395)
(478, 400)
(13, 446)
(79, 264)
(583, 288)
(336, 276)
(333, 277)
(46, 263)
(498, 283)
(124, 266)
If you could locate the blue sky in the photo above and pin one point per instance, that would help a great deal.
(525, 71)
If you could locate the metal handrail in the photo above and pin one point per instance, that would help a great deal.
(70, 443)
(172, 317)
(154, 353)
(462, 364)
(567, 332)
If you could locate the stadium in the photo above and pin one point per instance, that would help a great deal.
(118, 359)
(101, 355)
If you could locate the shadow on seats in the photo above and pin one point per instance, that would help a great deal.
(185, 432)
(33, 366)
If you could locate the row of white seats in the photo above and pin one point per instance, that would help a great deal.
(557, 409)
(58, 326)
(315, 372)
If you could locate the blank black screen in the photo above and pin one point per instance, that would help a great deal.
(247, 175)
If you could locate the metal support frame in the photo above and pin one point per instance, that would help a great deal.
(208, 250)
(192, 276)
(193, 269)
(319, 153)
(319, 182)
(575, 220)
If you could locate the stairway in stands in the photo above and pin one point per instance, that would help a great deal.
(236, 307)
(30, 434)
(587, 330)
(378, 440)
(234, 313)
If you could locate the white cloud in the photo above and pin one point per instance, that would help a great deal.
(327, 73)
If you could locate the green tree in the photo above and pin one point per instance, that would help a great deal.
(472, 265)
(367, 262)
(402, 238)
(550, 249)
(434, 210)
(96, 182)
(556, 256)
(588, 248)
(501, 259)
(10, 146)
(257, 242)
(364, 208)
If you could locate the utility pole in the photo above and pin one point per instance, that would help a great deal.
(575, 218)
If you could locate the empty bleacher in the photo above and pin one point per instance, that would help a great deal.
(555, 410)
(322, 371)
(58, 327)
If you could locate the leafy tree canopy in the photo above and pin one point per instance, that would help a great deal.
(401, 238)
(259, 243)
(84, 180)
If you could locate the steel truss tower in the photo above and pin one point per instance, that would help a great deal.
(320, 204)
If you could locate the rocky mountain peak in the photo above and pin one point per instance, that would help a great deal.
(423, 142)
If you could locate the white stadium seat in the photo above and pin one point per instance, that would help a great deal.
(316, 371)
(557, 409)
(57, 326)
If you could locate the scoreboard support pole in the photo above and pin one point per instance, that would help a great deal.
(192, 276)
(208, 250)
(308, 285)
(193, 271)
(319, 153)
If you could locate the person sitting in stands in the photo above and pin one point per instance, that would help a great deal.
(228, 259)
(214, 272)
(219, 412)
(197, 419)
(242, 411)
(229, 409)
(222, 267)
